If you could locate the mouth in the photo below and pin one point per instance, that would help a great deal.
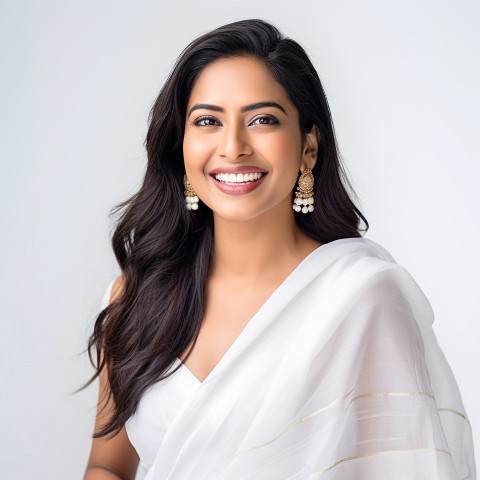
(238, 178)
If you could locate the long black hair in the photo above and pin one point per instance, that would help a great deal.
(164, 250)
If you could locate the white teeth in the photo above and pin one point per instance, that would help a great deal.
(240, 178)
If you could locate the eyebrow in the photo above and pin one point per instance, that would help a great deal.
(246, 108)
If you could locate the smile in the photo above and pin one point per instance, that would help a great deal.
(239, 178)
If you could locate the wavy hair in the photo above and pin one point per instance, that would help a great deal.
(164, 250)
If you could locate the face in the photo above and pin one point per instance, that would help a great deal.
(242, 144)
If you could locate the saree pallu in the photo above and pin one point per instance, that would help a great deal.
(337, 376)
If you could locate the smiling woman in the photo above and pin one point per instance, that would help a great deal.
(254, 333)
(261, 139)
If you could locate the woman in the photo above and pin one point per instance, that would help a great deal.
(254, 333)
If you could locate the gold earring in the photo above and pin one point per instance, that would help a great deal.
(191, 199)
(304, 193)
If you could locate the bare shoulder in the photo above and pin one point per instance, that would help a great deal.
(117, 287)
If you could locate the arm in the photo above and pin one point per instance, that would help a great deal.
(110, 458)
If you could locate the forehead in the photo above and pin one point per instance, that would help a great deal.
(237, 81)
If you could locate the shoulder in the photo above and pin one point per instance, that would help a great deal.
(117, 287)
(113, 291)
(366, 275)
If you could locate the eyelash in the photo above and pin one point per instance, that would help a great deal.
(206, 117)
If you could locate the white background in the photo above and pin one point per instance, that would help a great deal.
(77, 82)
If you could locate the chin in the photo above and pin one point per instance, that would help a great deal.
(242, 213)
(235, 215)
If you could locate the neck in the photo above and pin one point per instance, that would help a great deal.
(262, 249)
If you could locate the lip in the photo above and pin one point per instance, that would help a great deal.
(239, 169)
(237, 189)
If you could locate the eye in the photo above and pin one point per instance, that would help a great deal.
(266, 120)
(208, 121)
(198, 121)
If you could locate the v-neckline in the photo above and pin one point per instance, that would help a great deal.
(252, 319)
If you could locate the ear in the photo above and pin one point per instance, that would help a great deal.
(310, 149)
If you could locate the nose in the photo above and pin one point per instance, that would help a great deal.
(234, 143)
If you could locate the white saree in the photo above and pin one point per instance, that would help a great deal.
(338, 376)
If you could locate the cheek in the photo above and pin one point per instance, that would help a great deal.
(288, 148)
(285, 154)
(194, 151)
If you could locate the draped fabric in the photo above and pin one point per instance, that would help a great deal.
(337, 376)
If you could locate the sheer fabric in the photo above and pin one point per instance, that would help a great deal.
(337, 376)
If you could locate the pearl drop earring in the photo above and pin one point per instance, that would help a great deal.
(191, 199)
(304, 195)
